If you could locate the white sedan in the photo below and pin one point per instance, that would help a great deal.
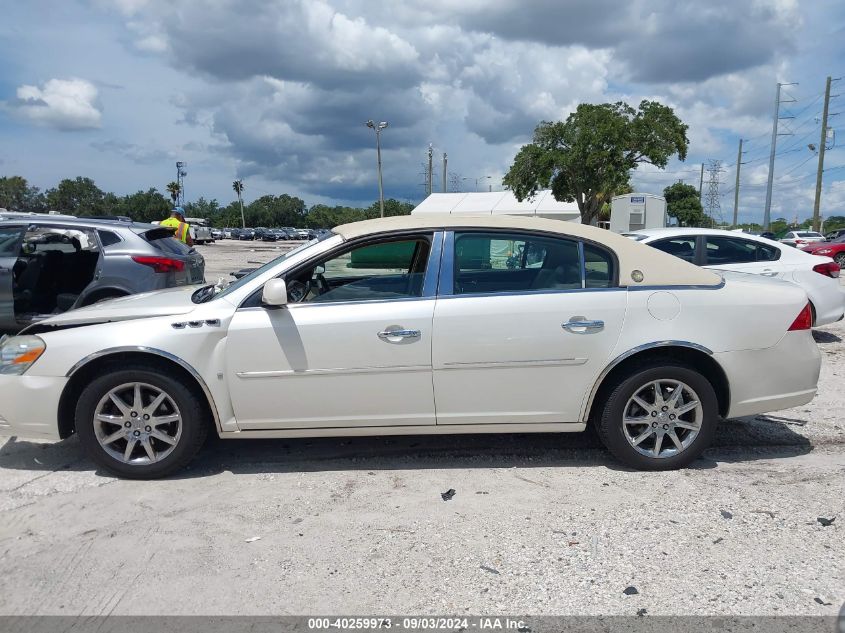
(414, 325)
(732, 250)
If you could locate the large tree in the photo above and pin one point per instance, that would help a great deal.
(589, 157)
(683, 204)
(79, 196)
(17, 195)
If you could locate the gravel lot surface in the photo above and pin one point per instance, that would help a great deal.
(539, 524)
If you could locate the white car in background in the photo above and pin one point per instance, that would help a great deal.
(797, 238)
(742, 252)
(421, 325)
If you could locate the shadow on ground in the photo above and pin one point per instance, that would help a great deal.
(747, 439)
(823, 336)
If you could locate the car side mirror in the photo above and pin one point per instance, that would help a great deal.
(275, 294)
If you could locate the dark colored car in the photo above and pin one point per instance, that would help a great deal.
(246, 234)
(51, 264)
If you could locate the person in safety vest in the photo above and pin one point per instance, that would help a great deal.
(182, 229)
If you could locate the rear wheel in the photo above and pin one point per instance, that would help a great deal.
(662, 416)
(140, 424)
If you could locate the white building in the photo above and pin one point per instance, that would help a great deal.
(635, 211)
(499, 203)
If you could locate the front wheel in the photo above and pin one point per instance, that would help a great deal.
(140, 424)
(840, 259)
(662, 416)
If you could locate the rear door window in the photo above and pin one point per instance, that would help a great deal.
(683, 247)
(500, 262)
(732, 250)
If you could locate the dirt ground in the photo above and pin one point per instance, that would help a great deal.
(539, 524)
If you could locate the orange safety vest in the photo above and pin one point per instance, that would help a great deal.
(180, 227)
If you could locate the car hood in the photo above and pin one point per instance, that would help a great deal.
(140, 306)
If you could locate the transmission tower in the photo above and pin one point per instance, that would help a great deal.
(181, 172)
(712, 204)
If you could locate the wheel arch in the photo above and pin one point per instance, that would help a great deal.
(689, 353)
(82, 372)
(100, 293)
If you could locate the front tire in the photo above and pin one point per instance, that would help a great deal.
(138, 423)
(660, 416)
(840, 259)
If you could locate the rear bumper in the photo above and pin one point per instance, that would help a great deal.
(29, 406)
(779, 377)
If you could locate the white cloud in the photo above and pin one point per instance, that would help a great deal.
(64, 104)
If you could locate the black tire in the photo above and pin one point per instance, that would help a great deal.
(609, 421)
(191, 407)
(840, 259)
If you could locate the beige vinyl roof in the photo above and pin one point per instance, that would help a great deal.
(658, 268)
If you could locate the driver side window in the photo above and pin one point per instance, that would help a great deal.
(387, 269)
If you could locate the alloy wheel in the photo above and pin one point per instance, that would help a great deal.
(662, 418)
(137, 423)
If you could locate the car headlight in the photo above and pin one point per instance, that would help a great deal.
(17, 353)
(825, 251)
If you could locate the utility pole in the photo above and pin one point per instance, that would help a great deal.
(429, 181)
(701, 185)
(822, 143)
(767, 212)
(736, 186)
(444, 172)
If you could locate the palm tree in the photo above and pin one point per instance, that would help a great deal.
(238, 186)
(173, 189)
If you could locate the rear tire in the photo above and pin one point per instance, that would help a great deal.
(138, 423)
(635, 421)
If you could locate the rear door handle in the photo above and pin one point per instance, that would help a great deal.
(386, 335)
(583, 326)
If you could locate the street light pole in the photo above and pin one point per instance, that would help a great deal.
(378, 128)
(477, 179)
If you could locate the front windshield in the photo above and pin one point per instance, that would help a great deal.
(258, 271)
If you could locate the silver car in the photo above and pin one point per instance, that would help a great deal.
(51, 264)
(798, 238)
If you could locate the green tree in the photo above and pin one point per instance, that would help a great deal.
(391, 207)
(173, 189)
(202, 208)
(273, 211)
(146, 206)
(79, 196)
(683, 204)
(588, 157)
(17, 195)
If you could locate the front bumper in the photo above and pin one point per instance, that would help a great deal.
(780, 377)
(29, 406)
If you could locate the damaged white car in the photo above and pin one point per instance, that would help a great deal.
(415, 325)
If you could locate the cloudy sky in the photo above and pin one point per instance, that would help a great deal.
(277, 92)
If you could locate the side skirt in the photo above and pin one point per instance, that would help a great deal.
(432, 429)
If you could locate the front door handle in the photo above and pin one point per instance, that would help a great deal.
(768, 272)
(387, 335)
(582, 326)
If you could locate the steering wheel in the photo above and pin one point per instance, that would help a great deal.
(322, 284)
(297, 291)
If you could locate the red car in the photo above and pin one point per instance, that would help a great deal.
(834, 249)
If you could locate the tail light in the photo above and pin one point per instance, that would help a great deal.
(829, 269)
(804, 320)
(160, 264)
